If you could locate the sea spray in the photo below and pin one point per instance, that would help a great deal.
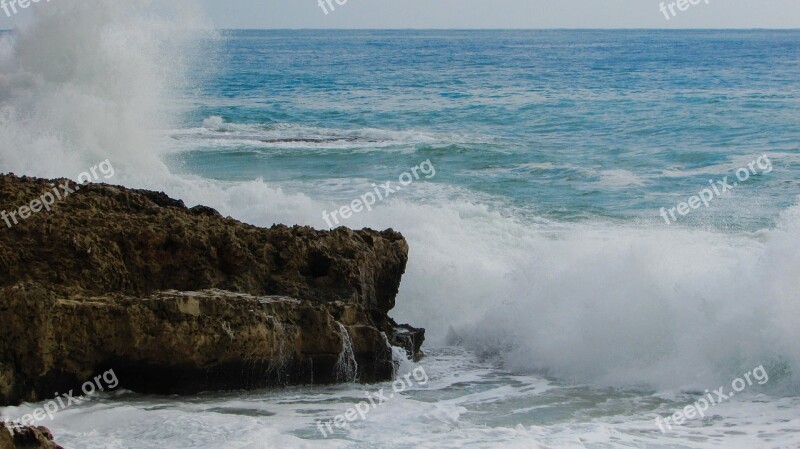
(282, 355)
(346, 366)
(400, 361)
(87, 81)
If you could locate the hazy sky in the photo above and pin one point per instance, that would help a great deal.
(487, 14)
(502, 14)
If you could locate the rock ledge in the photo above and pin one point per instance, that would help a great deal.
(179, 300)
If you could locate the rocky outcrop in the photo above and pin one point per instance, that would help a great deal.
(27, 437)
(409, 338)
(178, 300)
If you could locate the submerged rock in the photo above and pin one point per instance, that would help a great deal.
(179, 300)
(26, 437)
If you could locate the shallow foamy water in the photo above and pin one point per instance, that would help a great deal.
(465, 403)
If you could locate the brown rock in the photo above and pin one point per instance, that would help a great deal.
(105, 239)
(26, 437)
(179, 300)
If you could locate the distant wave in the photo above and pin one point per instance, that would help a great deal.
(217, 132)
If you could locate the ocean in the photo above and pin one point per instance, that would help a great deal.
(540, 178)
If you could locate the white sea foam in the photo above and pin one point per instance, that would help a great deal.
(87, 81)
(476, 406)
(620, 178)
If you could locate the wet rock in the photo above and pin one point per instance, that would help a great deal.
(180, 300)
(26, 437)
(409, 338)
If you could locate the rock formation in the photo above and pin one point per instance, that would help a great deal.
(179, 300)
(30, 437)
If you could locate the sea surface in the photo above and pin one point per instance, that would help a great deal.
(563, 310)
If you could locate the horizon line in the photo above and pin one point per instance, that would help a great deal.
(511, 29)
(500, 29)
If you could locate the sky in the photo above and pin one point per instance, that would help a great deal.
(448, 14)
(502, 14)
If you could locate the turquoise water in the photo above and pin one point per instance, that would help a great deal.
(563, 125)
